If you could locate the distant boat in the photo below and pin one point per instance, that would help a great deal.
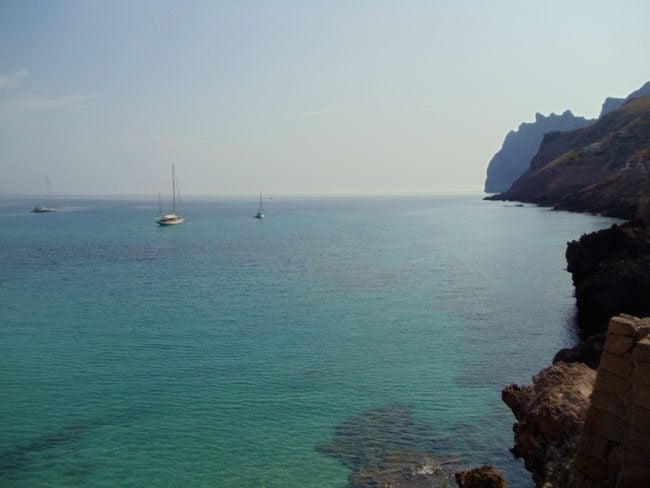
(172, 218)
(260, 212)
(45, 208)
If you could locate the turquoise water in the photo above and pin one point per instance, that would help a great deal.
(225, 351)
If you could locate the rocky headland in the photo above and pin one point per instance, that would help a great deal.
(602, 168)
(612, 103)
(519, 147)
(585, 421)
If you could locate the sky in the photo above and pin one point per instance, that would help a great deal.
(295, 97)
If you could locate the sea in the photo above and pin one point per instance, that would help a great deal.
(335, 336)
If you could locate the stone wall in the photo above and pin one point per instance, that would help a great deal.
(614, 449)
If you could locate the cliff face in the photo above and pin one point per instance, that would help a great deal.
(589, 429)
(550, 414)
(612, 103)
(519, 147)
(611, 274)
(602, 168)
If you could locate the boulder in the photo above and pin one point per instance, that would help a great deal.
(483, 477)
(550, 414)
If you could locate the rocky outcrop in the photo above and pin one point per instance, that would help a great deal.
(614, 449)
(519, 147)
(587, 351)
(483, 477)
(602, 168)
(611, 274)
(612, 103)
(550, 415)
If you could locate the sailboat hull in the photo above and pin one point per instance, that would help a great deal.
(43, 210)
(170, 220)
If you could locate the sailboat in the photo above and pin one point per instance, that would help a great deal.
(45, 208)
(172, 218)
(260, 212)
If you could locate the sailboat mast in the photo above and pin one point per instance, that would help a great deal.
(159, 205)
(48, 188)
(261, 201)
(173, 191)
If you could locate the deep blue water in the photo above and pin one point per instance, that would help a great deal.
(225, 351)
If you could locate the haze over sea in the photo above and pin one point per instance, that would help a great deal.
(225, 351)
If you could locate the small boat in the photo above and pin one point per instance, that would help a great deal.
(172, 218)
(45, 208)
(260, 212)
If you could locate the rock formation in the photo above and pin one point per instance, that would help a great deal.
(614, 449)
(483, 477)
(612, 103)
(519, 147)
(550, 415)
(587, 351)
(581, 428)
(602, 168)
(611, 274)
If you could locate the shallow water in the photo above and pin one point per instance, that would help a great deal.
(232, 352)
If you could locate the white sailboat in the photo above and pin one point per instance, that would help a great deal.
(260, 212)
(45, 208)
(172, 218)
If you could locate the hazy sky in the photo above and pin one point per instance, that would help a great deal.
(295, 96)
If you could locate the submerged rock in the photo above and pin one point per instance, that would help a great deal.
(385, 448)
(403, 470)
(551, 413)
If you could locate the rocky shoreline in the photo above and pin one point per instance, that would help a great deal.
(585, 420)
(584, 428)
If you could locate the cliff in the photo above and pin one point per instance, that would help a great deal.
(611, 274)
(612, 103)
(585, 429)
(519, 147)
(550, 413)
(602, 168)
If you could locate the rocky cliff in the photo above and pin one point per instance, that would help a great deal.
(519, 147)
(602, 168)
(586, 429)
(611, 274)
(550, 413)
(612, 103)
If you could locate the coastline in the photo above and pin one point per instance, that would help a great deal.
(611, 275)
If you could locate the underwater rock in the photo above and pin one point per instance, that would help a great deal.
(385, 448)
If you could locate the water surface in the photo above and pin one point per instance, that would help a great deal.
(234, 352)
